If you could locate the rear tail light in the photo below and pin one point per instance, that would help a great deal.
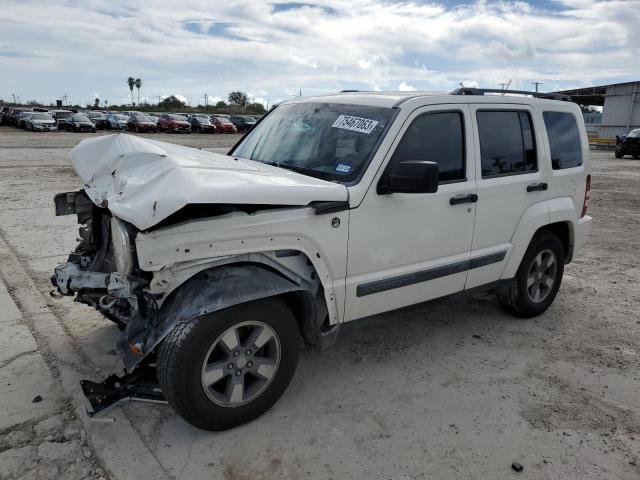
(587, 194)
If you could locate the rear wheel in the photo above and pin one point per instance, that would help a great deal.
(221, 370)
(538, 279)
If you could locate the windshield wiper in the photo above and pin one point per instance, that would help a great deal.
(295, 168)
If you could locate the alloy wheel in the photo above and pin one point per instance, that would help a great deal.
(542, 276)
(241, 364)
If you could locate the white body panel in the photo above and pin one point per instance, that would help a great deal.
(400, 234)
(176, 253)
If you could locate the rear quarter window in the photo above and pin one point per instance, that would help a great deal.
(564, 140)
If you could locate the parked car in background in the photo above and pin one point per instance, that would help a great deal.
(99, 119)
(117, 121)
(176, 123)
(153, 117)
(223, 125)
(61, 117)
(78, 122)
(141, 123)
(13, 115)
(628, 144)
(40, 122)
(22, 116)
(201, 122)
(4, 115)
(243, 123)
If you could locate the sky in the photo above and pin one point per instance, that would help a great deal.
(276, 49)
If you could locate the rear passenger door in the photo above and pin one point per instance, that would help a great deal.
(510, 178)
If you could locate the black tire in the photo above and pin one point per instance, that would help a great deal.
(137, 129)
(619, 154)
(514, 296)
(183, 352)
(636, 157)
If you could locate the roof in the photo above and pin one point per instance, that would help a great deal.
(393, 99)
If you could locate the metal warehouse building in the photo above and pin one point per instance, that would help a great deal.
(620, 113)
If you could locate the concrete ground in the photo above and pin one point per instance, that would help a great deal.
(454, 389)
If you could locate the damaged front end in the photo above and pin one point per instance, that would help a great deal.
(102, 272)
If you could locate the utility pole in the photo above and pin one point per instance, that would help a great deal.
(536, 84)
(206, 100)
(13, 95)
(64, 99)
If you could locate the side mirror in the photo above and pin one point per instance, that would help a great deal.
(412, 176)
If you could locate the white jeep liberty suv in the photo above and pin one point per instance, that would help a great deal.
(330, 209)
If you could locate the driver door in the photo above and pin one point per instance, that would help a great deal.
(406, 248)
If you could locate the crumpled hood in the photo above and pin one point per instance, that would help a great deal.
(144, 181)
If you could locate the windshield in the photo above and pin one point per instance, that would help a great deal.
(331, 141)
(181, 118)
(634, 133)
(80, 118)
(222, 119)
(145, 119)
(63, 114)
(121, 118)
(99, 116)
(41, 116)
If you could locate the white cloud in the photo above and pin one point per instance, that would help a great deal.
(377, 44)
(405, 87)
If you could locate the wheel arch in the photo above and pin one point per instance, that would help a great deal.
(556, 215)
(217, 288)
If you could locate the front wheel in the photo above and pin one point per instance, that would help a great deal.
(538, 278)
(619, 154)
(224, 369)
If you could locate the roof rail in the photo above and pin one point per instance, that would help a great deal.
(349, 91)
(482, 91)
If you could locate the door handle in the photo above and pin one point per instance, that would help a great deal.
(471, 198)
(535, 187)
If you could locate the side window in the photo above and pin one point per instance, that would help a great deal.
(507, 143)
(436, 137)
(564, 139)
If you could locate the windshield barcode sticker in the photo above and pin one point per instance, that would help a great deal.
(356, 124)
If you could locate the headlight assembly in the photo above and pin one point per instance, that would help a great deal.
(121, 240)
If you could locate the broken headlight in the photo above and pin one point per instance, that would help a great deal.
(123, 248)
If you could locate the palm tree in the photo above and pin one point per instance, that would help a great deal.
(138, 84)
(132, 83)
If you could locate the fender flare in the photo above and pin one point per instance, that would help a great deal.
(534, 217)
(210, 290)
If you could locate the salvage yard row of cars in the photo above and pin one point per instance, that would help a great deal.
(43, 120)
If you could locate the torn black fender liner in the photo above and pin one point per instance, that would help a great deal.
(206, 292)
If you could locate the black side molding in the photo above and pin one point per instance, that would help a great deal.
(426, 275)
(323, 208)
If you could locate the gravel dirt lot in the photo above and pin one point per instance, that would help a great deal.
(447, 390)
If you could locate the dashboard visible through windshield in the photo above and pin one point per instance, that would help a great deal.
(325, 140)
